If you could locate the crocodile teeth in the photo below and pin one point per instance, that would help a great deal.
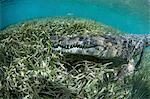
(68, 46)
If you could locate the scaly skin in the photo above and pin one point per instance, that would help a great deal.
(107, 46)
(124, 47)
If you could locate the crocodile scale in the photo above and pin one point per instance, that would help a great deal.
(106, 46)
(122, 47)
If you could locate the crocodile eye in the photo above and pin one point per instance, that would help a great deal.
(124, 42)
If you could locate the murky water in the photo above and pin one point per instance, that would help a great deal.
(130, 16)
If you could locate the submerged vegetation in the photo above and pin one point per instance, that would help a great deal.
(29, 68)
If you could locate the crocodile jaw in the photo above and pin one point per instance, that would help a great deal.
(77, 50)
(97, 51)
(97, 46)
(106, 46)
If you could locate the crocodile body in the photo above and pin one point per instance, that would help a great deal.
(125, 47)
(106, 47)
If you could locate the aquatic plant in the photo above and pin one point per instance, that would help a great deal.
(29, 68)
(141, 79)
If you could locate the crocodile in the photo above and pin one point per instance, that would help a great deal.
(122, 47)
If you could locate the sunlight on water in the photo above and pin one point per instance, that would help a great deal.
(130, 16)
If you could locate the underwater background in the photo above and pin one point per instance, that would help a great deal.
(30, 69)
(130, 16)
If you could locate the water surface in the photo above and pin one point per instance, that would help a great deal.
(130, 16)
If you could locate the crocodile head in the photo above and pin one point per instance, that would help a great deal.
(98, 46)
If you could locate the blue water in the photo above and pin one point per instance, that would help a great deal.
(131, 16)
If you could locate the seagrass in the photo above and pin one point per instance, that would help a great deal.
(29, 68)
